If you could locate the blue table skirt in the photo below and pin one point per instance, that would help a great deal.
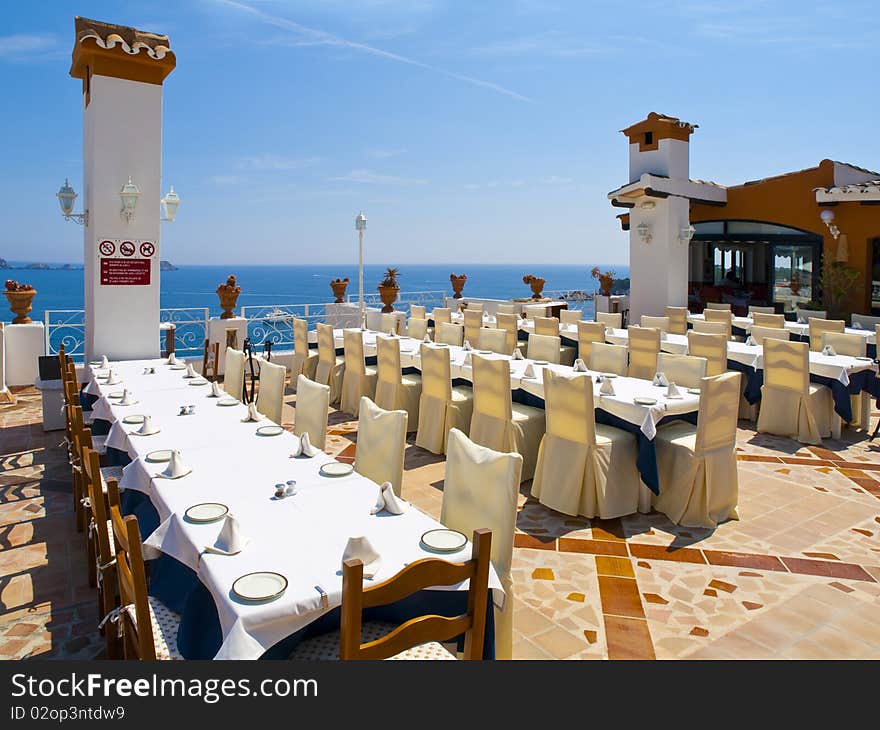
(863, 380)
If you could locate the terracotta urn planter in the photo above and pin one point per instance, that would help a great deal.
(339, 286)
(457, 284)
(388, 294)
(536, 283)
(228, 294)
(20, 304)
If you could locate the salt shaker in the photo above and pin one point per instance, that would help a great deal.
(290, 489)
(183, 411)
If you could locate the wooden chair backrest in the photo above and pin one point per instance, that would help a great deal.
(211, 360)
(92, 477)
(132, 579)
(417, 576)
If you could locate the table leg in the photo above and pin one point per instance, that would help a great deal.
(645, 495)
(865, 420)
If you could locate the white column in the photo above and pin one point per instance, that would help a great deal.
(122, 138)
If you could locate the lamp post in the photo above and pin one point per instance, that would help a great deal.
(360, 224)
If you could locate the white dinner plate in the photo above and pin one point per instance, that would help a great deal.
(206, 512)
(609, 375)
(694, 391)
(227, 402)
(484, 352)
(178, 367)
(200, 381)
(866, 359)
(441, 344)
(159, 456)
(271, 430)
(116, 394)
(133, 419)
(336, 469)
(644, 401)
(258, 587)
(443, 541)
(540, 362)
(95, 363)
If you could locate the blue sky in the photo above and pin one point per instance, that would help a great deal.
(467, 132)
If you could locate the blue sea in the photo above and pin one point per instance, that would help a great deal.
(194, 286)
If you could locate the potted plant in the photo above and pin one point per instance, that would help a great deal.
(338, 286)
(536, 283)
(606, 280)
(457, 282)
(794, 283)
(228, 294)
(388, 289)
(20, 297)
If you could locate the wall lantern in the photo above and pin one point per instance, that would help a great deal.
(644, 231)
(129, 195)
(687, 233)
(170, 203)
(66, 195)
(827, 217)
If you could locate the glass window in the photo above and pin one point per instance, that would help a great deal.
(750, 228)
(708, 227)
(792, 275)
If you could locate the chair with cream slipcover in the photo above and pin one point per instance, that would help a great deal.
(270, 399)
(505, 309)
(644, 345)
(817, 327)
(759, 334)
(803, 315)
(473, 321)
(683, 370)
(481, 488)
(610, 319)
(381, 442)
(697, 464)
(712, 328)
(549, 326)
(305, 361)
(845, 344)
(605, 358)
(451, 334)
(508, 322)
(720, 306)
(678, 324)
(790, 404)
(720, 315)
(493, 339)
(330, 367)
(395, 391)
(417, 311)
(358, 379)
(660, 323)
(441, 314)
(760, 310)
(233, 373)
(571, 316)
(441, 406)
(388, 323)
(762, 319)
(865, 321)
(475, 307)
(534, 310)
(544, 347)
(588, 333)
(312, 406)
(499, 424)
(712, 347)
(584, 468)
(417, 328)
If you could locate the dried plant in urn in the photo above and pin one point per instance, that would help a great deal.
(536, 283)
(339, 286)
(20, 297)
(457, 281)
(606, 280)
(228, 294)
(388, 289)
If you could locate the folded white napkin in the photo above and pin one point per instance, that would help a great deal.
(113, 378)
(517, 354)
(307, 448)
(751, 341)
(856, 325)
(230, 540)
(467, 362)
(105, 363)
(672, 391)
(176, 468)
(147, 427)
(828, 350)
(172, 359)
(529, 372)
(466, 345)
(660, 379)
(253, 414)
(126, 399)
(580, 366)
(190, 373)
(802, 320)
(361, 549)
(392, 333)
(426, 338)
(215, 390)
(387, 500)
(607, 387)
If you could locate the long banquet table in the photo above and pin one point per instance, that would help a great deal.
(302, 536)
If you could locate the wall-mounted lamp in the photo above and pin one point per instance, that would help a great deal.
(687, 233)
(170, 203)
(647, 205)
(827, 217)
(644, 231)
(66, 195)
(129, 195)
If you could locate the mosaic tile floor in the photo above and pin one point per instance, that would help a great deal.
(796, 577)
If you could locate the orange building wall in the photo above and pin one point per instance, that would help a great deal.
(790, 200)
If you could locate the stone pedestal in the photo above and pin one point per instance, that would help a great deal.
(342, 315)
(374, 319)
(53, 404)
(217, 333)
(23, 344)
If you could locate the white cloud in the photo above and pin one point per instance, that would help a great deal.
(554, 180)
(275, 162)
(226, 179)
(550, 43)
(28, 47)
(372, 178)
(384, 154)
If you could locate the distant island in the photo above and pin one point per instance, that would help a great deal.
(167, 266)
(4, 264)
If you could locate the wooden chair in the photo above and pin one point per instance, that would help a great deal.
(419, 637)
(211, 360)
(149, 628)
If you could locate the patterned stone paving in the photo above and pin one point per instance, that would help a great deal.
(796, 577)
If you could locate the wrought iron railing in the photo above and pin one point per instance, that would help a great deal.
(427, 299)
(274, 323)
(65, 327)
(576, 298)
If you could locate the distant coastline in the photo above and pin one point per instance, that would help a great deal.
(6, 266)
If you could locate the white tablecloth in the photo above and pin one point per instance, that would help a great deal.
(801, 329)
(837, 367)
(302, 537)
